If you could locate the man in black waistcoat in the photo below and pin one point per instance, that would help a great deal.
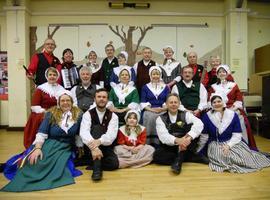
(98, 130)
(108, 64)
(142, 68)
(83, 94)
(40, 62)
(177, 130)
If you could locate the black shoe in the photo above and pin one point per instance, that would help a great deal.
(2, 167)
(97, 175)
(97, 171)
(176, 167)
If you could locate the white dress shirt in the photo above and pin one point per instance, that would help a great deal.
(107, 138)
(166, 138)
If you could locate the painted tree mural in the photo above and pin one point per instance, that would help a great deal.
(127, 39)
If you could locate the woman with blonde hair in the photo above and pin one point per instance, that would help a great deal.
(47, 163)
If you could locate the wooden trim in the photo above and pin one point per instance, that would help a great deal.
(15, 128)
(3, 126)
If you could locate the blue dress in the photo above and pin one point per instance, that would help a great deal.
(148, 98)
(240, 159)
(54, 170)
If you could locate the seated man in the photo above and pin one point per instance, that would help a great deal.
(177, 130)
(193, 95)
(98, 130)
(84, 93)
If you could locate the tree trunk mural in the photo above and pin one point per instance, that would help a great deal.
(127, 39)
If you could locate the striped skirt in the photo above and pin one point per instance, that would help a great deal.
(239, 160)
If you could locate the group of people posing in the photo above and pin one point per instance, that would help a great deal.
(111, 115)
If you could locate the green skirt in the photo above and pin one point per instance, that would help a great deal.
(48, 173)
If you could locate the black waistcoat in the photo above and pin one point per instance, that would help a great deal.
(85, 97)
(43, 64)
(98, 129)
(180, 127)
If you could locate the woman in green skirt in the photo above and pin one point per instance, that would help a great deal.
(47, 163)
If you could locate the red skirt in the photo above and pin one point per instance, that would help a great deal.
(31, 128)
(251, 140)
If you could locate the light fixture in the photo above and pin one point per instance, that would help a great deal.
(120, 5)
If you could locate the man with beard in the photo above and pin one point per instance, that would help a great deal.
(98, 130)
(84, 93)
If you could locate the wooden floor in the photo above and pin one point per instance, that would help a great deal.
(152, 182)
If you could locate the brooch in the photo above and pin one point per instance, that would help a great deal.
(180, 123)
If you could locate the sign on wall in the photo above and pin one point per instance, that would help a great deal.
(3, 76)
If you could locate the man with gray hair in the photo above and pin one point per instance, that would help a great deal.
(200, 74)
(83, 96)
(84, 93)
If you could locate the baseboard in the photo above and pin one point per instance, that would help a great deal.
(15, 128)
(3, 126)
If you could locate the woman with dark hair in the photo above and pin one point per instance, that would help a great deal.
(44, 98)
(235, 101)
(225, 147)
(132, 150)
(47, 163)
(69, 71)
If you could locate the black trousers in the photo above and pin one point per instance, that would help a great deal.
(109, 161)
(166, 155)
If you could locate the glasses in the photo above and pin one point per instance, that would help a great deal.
(52, 44)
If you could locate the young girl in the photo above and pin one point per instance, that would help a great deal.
(132, 150)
